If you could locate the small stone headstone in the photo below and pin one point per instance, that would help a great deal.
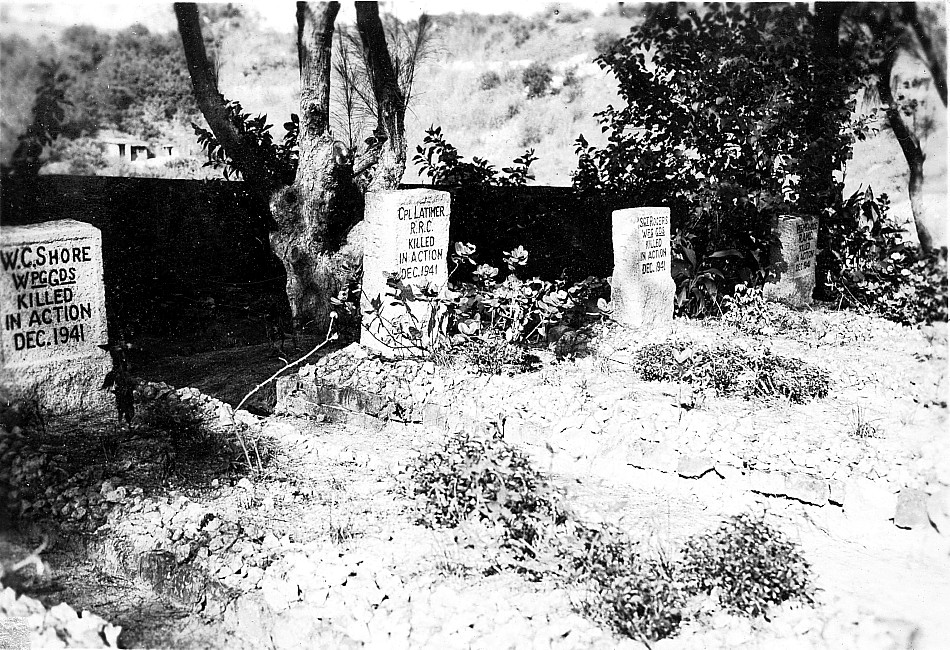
(642, 287)
(53, 315)
(795, 261)
(407, 238)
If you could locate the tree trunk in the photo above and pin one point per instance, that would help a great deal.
(304, 210)
(910, 146)
(316, 212)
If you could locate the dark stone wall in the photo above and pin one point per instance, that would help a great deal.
(165, 237)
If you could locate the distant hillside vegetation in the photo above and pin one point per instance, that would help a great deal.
(497, 85)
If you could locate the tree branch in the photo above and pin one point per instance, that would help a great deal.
(389, 98)
(244, 155)
(934, 65)
(314, 46)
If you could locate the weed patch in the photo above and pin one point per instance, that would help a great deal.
(489, 480)
(732, 370)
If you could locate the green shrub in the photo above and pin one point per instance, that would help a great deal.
(864, 262)
(731, 370)
(537, 79)
(489, 80)
(748, 564)
(487, 479)
(635, 595)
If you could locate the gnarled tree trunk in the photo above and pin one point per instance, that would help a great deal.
(315, 213)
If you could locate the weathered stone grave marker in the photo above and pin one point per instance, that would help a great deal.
(642, 287)
(799, 245)
(407, 235)
(53, 315)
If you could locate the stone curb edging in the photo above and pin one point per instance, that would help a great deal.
(303, 394)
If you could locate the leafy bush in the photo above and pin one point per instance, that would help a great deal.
(748, 564)
(635, 595)
(489, 480)
(731, 370)
(515, 310)
(489, 80)
(865, 262)
(537, 79)
(715, 123)
(441, 163)
(496, 312)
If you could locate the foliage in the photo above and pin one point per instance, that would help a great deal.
(135, 81)
(537, 79)
(489, 80)
(731, 370)
(719, 123)
(280, 158)
(748, 564)
(700, 282)
(748, 311)
(515, 310)
(636, 595)
(864, 262)
(83, 156)
(49, 112)
(441, 163)
(489, 355)
(488, 480)
(495, 312)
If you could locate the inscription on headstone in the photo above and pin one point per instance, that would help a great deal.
(52, 314)
(407, 238)
(642, 286)
(795, 261)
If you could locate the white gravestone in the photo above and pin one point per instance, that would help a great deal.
(407, 235)
(642, 287)
(795, 261)
(53, 315)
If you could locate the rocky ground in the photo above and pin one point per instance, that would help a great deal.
(174, 540)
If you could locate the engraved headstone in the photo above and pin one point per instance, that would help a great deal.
(53, 315)
(642, 287)
(407, 237)
(795, 261)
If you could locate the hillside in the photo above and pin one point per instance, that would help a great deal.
(471, 85)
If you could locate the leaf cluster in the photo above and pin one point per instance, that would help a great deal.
(280, 158)
(748, 565)
(489, 480)
(866, 263)
(441, 163)
(515, 310)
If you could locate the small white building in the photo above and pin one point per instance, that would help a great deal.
(137, 151)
